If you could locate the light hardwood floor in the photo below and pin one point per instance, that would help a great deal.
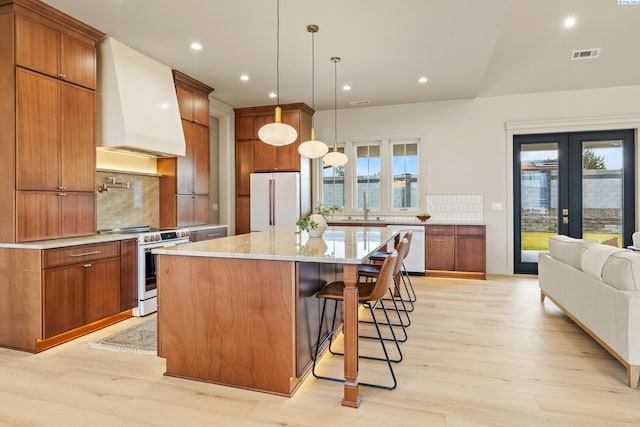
(479, 353)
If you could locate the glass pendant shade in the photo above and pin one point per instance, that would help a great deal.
(335, 158)
(277, 133)
(313, 148)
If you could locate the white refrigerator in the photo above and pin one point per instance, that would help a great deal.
(275, 200)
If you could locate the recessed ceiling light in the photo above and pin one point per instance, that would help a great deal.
(196, 46)
(423, 80)
(272, 95)
(164, 106)
(244, 77)
(569, 22)
(346, 87)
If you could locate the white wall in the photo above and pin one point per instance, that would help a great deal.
(468, 145)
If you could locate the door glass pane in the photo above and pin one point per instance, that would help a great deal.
(539, 198)
(405, 175)
(368, 175)
(333, 184)
(602, 195)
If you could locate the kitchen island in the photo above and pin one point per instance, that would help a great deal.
(241, 311)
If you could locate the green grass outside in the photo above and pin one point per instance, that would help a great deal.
(539, 240)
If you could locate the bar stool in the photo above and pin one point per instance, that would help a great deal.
(369, 271)
(370, 296)
(406, 278)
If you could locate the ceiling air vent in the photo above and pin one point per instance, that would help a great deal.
(585, 54)
(364, 102)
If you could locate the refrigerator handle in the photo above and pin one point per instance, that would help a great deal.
(272, 198)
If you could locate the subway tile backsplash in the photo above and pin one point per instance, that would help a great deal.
(128, 207)
(455, 207)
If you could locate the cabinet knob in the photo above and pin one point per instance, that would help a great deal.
(86, 265)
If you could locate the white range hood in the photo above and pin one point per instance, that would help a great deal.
(137, 103)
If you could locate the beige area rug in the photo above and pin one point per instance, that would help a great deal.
(140, 338)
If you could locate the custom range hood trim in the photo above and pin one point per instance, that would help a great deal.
(137, 103)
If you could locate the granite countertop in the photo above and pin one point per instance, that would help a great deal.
(87, 240)
(74, 241)
(347, 245)
(409, 222)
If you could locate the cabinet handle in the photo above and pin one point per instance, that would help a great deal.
(86, 253)
(62, 194)
(438, 240)
(86, 265)
(62, 188)
(62, 76)
(212, 235)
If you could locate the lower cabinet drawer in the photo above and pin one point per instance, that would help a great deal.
(213, 233)
(82, 253)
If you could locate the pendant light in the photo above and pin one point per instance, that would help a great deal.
(313, 148)
(277, 133)
(335, 158)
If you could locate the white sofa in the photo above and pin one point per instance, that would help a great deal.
(598, 287)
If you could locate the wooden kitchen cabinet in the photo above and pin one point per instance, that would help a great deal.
(192, 210)
(184, 184)
(55, 130)
(48, 123)
(81, 285)
(63, 299)
(193, 104)
(253, 155)
(79, 294)
(456, 250)
(441, 248)
(47, 48)
(49, 215)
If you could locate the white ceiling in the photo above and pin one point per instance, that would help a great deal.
(467, 48)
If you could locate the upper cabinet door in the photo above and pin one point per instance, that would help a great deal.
(37, 131)
(185, 103)
(201, 108)
(184, 173)
(77, 138)
(50, 52)
(37, 46)
(200, 160)
(77, 62)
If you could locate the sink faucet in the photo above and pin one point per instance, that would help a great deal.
(364, 205)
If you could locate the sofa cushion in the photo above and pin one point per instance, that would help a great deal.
(595, 257)
(622, 270)
(569, 250)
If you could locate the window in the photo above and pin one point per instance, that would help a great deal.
(387, 169)
(333, 184)
(404, 169)
(368, 174)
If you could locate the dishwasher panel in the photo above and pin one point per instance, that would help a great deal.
(415, 261)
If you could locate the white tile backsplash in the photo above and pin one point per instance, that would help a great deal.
(455, 207)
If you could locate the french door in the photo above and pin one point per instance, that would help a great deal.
(578, 184)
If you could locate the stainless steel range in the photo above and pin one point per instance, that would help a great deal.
(148, 240)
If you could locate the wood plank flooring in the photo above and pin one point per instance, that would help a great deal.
(479, 353)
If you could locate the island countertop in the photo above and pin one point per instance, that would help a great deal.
(347, 245)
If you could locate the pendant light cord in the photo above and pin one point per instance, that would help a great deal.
(278, 52)
(335, 102)
(313, 78)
